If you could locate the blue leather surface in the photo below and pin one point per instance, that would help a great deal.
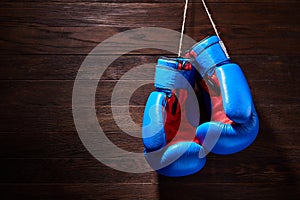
(189, 161)
(168, 77)
(236, 96)
(182, 158)
(153, 133)
(209, 54)
(233, 138)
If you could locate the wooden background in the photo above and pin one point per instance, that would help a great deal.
(42, 45)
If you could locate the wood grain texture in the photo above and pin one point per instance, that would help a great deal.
(240, 39)
(156, 1)
(137, 14)
(65, 67)
(78, 27)
(149, 191)
(35, 93)
(42, 46)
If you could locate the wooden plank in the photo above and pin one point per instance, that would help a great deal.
(250, 190)
(59, 119)
(86, 170)
(52, 145)
(240, 39)
(65, 67)
(159, 1)
(235, 169)
(137, 14)
(151, 191)
(80, 191)
(36, 93)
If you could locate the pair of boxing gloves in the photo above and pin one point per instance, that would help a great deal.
(176, 143)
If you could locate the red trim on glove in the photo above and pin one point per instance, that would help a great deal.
(176, 113)
(218, 113)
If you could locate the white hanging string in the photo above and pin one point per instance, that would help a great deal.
(210, 18)
(215, 28)
(182, 27)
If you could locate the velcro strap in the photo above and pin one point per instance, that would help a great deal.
(208, 54)
(168, 75)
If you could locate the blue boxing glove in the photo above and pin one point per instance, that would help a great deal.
(234, 122)
(170, 119)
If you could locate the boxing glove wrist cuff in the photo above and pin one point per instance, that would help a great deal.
(208, 54)
(173, 73)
